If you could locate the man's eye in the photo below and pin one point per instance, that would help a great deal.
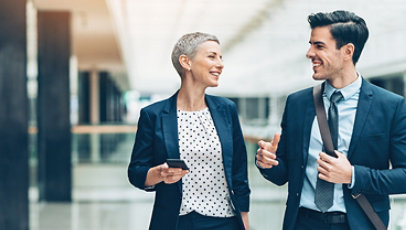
(211, 56)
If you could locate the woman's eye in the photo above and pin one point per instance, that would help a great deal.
(211, 56)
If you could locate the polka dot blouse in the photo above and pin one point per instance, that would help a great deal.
(204, 188)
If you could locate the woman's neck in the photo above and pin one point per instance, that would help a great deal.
(191, 99)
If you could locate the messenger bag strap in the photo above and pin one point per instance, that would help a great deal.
(328, 146)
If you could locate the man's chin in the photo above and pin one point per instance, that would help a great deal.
(318, 77)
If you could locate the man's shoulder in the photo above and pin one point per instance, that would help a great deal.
(301, 94)
(382, 93)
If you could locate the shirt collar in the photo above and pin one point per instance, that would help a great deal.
(347, 92)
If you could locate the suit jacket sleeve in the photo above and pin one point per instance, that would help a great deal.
(387, 181)
(141, 158)
(240, 175)
(279, 174)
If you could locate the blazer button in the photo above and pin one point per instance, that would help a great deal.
(297, 194)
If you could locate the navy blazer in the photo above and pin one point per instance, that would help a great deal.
(378, 139)
(157, 140)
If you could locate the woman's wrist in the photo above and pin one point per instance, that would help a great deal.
(153, 176)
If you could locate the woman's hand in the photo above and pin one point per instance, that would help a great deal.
(163, 173)
(171, 175)
(244, 216)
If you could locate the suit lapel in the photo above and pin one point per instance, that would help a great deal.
(310, 114)
(170, 130)
(363, 109)
(222, 124)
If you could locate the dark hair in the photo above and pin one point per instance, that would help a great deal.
(345, 27)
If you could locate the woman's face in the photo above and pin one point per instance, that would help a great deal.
(207, 64)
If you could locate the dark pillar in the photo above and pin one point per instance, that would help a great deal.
(54, 129)
(84, 98)
(104, 96)
(13, 117)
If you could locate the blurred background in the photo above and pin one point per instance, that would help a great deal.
(75, 73)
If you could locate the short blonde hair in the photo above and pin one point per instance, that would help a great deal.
(187, 45)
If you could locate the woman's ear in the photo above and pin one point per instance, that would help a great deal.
(185, 62)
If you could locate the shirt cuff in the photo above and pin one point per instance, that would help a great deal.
(350, 186)
(149, 188)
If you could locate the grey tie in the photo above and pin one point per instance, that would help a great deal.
(324, 193)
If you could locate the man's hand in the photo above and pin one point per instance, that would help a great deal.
(335, 170)
(266, 157)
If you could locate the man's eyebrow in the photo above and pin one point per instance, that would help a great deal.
(316, 43)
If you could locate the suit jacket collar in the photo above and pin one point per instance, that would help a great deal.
(366, 97)
(310, 113)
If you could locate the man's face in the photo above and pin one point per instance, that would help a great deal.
(327, 60)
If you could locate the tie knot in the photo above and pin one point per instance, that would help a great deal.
(336, 97)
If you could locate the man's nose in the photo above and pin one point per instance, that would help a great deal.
(310, 53)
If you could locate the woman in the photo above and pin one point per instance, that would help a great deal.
(202, 130)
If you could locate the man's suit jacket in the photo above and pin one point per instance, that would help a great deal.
(157, 140)
(378, 139)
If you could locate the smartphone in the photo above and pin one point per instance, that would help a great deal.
(177, 163)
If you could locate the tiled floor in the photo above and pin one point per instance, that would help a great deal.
(104, 200)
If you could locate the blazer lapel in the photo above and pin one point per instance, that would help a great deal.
(170, 130)
(222, 124)
(364, 106)
(310, 114)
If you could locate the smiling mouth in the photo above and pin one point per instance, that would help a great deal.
(217, 74)
(316, 64)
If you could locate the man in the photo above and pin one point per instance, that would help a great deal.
(370, 140)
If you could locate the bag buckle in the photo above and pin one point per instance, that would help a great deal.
(355, 196)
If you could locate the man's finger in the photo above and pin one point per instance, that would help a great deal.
(267, 154)
(323, 164)
(269, 164)
(322, 170)
(325, 157)
(275, 140)
(263, 144)
(324, 177)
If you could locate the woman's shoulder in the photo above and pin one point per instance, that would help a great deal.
(221, 101)
(157, 106)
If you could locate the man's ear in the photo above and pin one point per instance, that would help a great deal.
(185, 62)
(349, 50)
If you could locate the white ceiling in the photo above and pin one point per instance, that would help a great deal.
(264, 41)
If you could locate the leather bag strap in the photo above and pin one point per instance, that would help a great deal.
(328, 145)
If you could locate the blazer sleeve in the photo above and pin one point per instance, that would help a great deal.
(240, 175)
(388, 181)
(141, 157)
(279, 174)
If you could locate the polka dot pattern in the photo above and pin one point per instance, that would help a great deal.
(204, 188)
